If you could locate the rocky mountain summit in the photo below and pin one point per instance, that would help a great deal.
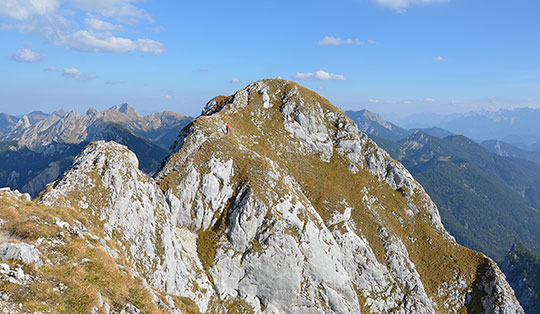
(292, 211)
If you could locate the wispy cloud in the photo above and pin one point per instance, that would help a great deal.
(165, 97)
(114, 82)
(430, 100)
(382, 101)
(76, 74)
(101, 26)
(403, 4)
(439, 59)
(150, 46)
(26, 55)
(25, 9)
(55, 22)
(319, 75)
(52, 68)
(123, 10)
(336, 41)
(235, 80)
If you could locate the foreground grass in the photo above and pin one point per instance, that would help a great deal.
(75, 269)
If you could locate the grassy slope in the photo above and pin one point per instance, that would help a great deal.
(82, 266)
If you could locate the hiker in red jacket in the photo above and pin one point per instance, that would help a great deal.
(227, 129)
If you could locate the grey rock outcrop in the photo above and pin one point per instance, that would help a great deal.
(133, 211)
(15, 194)
(23, 252)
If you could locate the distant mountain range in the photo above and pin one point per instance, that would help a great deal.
(519, 127)
(37, 147)
(487, 202)
(373, 124)
(508, 150)
(488, 194)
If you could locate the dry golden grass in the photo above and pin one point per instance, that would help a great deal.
(99, 272)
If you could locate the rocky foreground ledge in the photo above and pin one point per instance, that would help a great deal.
(293, 211)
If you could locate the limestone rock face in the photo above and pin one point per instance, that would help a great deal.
(106, 184)
(15, 194)
(23, 252)
(293, 211)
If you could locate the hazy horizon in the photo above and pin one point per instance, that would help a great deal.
(403, 119)
(388, 56)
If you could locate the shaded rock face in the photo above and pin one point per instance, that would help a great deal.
(292, 211)
(522, 270)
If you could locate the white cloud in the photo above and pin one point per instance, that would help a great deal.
(101, 26)
(25, 9)
(45, 19)
(26, 55)
(71, 72)
(336, 41)
(381, 101)
(76, 74)
(319, 75)
(430, 100)
(320, 88)
(235, 80)
(439, 59)
(50, 69)
(403, 4)
(86, 41)
(150, 46)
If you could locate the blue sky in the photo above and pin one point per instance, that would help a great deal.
(390, 56)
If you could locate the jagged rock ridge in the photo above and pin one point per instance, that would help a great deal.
(294, 211)
(41, 146)
(73, 127)
(373, 124)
